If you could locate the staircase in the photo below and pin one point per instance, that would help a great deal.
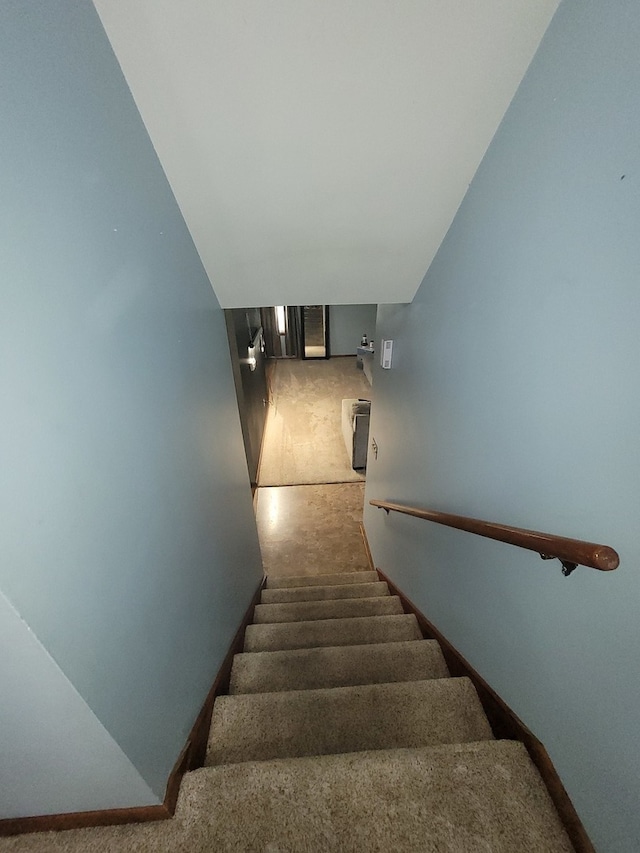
(343, 731)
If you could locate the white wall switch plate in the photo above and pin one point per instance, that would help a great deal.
(385, 354)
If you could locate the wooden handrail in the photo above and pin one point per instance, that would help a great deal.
(571, 552)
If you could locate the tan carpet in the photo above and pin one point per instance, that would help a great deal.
(303, 441)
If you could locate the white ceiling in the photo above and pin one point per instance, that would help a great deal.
(319, 149)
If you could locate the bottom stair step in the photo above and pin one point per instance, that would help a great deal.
(262, 726)
(341, 666)
(464, 797)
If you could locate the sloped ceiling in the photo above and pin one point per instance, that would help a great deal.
(319, 149)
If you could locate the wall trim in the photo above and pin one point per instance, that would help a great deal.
(196, 746)
(504, 722)
(191, 757)
(367, 549)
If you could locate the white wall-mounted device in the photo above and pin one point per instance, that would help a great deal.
(386, 352)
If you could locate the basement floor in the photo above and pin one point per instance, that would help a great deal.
(311, 530)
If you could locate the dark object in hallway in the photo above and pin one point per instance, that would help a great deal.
(315, 331)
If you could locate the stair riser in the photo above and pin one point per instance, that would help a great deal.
(310, 669)
(331, 632)
(274, 582)
(287, 595)
(260, 727)
(304, 611)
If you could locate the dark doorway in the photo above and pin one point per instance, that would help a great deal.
(315, 331)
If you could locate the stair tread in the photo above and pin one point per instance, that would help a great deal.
(262, 726)
(337, 666)
(302, 611)
(280, 581)
(477, 796)
(321, 593)
(353, 631)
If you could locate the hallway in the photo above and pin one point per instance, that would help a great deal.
(311, 525)
(303, 442)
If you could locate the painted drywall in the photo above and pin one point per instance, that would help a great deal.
(319, 150)
(347, 324)
(250, 382)
(129, 546)
(54, 750)
(514, 397)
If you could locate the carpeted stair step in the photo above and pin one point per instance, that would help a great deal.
(331, 632)
(322, 593)
(465, 797)
(341, 666)
(262, 726)
(304, 611)
(280, 581)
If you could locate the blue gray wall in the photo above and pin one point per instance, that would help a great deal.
(347, 324)
(515, 397)
(129, 549)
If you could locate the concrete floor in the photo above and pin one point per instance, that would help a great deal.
(311, 530)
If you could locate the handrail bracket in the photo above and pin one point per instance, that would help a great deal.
(567, 567)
